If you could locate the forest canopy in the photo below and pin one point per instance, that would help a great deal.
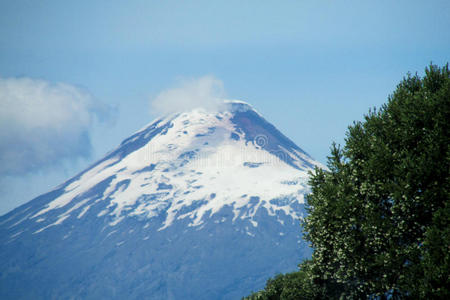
(379, 217)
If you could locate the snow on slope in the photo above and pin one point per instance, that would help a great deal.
(191, 165)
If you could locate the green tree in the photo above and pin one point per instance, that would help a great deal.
(291, 286)
(379, 217)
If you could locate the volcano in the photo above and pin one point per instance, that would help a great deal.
(202, 204)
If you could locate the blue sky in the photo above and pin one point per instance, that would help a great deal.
(310, 67)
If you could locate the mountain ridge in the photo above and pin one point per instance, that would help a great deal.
(202, 181)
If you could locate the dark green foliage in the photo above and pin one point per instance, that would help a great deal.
(379, 218)
(291, 286)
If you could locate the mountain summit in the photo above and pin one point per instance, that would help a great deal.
(197, 205)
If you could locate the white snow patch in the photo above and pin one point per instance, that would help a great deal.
(80, 186)
(17, 233)
(85, 209)
(103, 212)
(20, 221)
(59, 221)
(114, 231)
(203, 172)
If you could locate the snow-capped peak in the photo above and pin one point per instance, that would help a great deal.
(196, 197)
(190, 165)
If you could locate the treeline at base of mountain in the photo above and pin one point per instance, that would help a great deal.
(379, 218)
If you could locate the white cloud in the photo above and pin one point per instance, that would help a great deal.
(206, 92)
(44, 124)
